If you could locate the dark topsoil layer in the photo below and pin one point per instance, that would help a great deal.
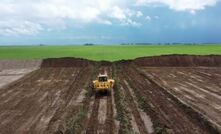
(155, 61)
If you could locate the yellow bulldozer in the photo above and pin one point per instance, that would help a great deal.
(103, 83)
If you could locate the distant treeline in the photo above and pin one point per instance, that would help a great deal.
(126, 44)
(175, 43)
(89, 44)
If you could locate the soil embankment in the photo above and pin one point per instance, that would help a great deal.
(179, 61)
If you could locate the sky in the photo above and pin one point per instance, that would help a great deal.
(32, 22)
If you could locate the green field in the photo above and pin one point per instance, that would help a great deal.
(110, 53)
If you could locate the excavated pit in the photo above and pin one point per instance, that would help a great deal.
(162, 94)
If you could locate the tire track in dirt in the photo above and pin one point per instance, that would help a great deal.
(46, 113)
(137, 120)
(102, 117)
(19, 105)
(124, 125)
(96, 123)
(49, 104)
(110, 123)
(74, 96)
(57, 101)
(134, 109)
(191, 92)
(83, 103)
(43, 113)
(93, 121)
(145, 121)
(164, 110)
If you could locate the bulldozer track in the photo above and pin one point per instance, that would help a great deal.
(167, 110)
(207, 94)
(93, 122)
(109, 123)
(134, 109)
(49, 101)
(106, 126)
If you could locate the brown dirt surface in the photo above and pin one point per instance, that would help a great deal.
(176, 94)
(9, 75)
(12, 70)
(19, 64)
(179, 61)
(65, 62)
(197, 87)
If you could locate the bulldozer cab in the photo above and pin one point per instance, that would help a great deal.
(102, 78)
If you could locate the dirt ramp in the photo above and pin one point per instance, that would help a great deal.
(65, 62)
(179, 61)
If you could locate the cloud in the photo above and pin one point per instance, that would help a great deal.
(124, 16)
(139, 14)
(30, 17)
(118, 13)
(130, 22)
(148, 18)
(19, 28)
(179, 5)
(156, 17)
(56, 14)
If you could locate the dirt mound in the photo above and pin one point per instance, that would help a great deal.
(65, 62)
(180, 61)
(156, 61)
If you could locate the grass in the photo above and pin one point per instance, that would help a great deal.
(110, 53)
